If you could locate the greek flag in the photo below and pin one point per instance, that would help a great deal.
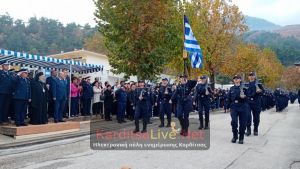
(191, 45)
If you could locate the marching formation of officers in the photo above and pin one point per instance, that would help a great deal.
(49, 97)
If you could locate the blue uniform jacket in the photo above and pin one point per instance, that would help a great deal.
(200, 93)
(121, 96)
(234, 99)
(50, 81)
(88, 92)
(164, 94)
(145, 96)
(252, 96)
(59, 90)
(183, 91)
(21, 88)
(6, 82)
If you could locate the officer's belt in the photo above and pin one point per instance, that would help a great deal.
(202, 96)
(251, 98)
(239, 101)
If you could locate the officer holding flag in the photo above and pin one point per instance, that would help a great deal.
(184, 102)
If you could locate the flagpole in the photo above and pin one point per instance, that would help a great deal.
(184, 52)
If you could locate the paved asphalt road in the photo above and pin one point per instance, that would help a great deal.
(276, 147)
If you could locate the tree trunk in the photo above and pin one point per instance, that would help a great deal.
(213, 80)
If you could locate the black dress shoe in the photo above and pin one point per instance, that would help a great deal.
(200, 127)
(206, 128)
(144, 131)
(119, 122)
(24, 124)
(255, 133)
(61, 121)
(248, 133)
(18, 125)
(123, 121)
(241, 141)
(169, 125)
(233, 140)
(136, 131)
(161, 125)
(149, 122)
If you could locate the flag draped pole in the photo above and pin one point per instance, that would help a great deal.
(191, 46)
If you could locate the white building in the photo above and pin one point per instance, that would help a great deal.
(98, 59)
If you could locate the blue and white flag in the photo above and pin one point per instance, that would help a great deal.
(191, 45)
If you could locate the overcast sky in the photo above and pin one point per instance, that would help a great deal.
(282, 12)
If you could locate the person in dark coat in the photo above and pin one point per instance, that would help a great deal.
(108, 102)
(164, 96)
(59, 94)
(202, 97)
(239, 109)
(141, 106)
(130, 102)
(121, 97)
(49, 83)
(21, 96)
(184, 102)
(39, 95)
(254, 94)
(87, 95)
(6, 81)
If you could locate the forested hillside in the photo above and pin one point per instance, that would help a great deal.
(42, 35)
(286, 48)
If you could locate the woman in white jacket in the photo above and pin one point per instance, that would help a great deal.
(96, 100)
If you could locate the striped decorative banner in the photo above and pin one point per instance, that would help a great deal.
(43, 60)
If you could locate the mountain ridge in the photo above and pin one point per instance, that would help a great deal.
(255, 23)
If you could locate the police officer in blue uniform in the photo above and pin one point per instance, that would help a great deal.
(254, 95)
(184, 102)
(202, 97)
(121, 97)
(280, 100)
(163, 99)
(6, 82)
(59, 94)
(87, 95)
(141, 106)
(239, 109)
(21, 96)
